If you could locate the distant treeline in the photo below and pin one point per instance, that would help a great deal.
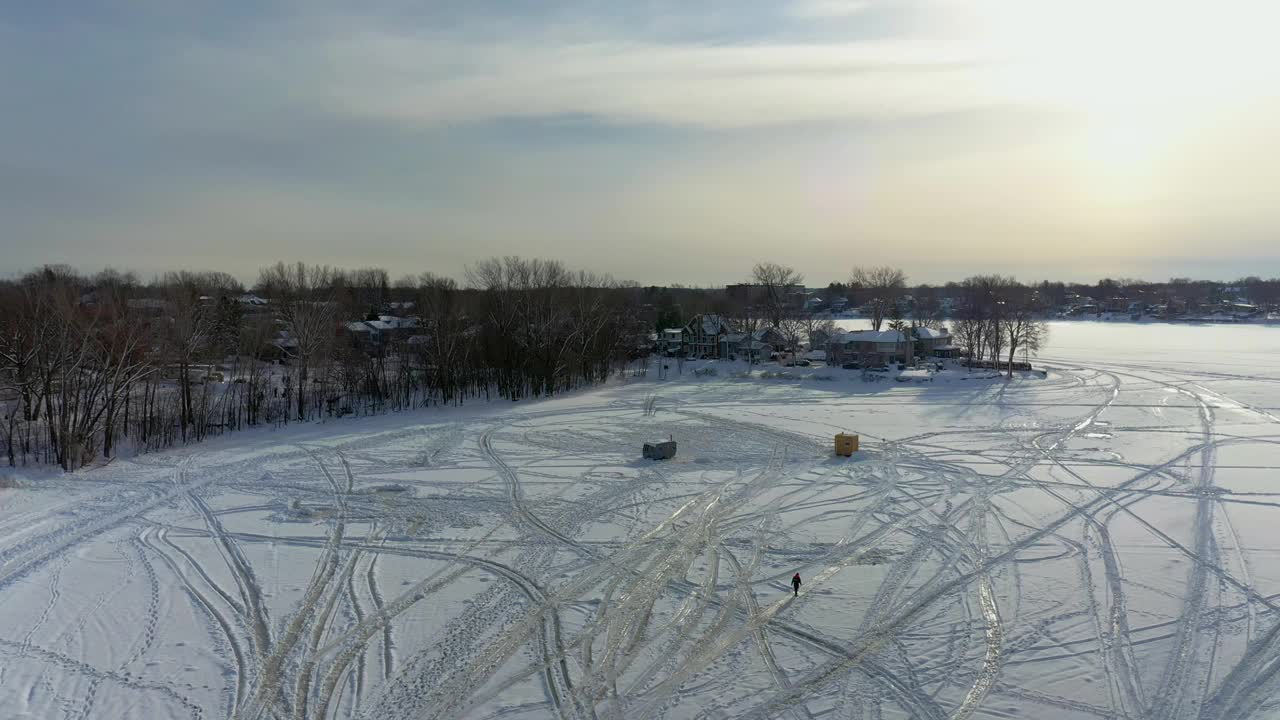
(91, 363)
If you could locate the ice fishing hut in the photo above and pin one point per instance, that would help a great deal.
(846, 444)
(664, 450)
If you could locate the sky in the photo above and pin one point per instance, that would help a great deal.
(662, 142)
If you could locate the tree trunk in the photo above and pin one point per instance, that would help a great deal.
(302, 383)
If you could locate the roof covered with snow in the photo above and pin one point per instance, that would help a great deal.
(925, 333)
(394, 322)
(711, 324)
(881, 336)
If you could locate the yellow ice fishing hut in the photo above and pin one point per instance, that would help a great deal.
(846, 444)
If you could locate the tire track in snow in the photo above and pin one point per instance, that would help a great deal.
(623, 562)
(201, 600)
(268, 697)
(843, 555)
(388, 646)
(246, 583)
(994, 632)
(869, 641)
(14, 568)
(1170, 700)
(761, 634)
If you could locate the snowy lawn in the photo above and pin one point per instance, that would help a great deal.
(1099, 542)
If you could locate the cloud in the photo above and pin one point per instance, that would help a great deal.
(827, 9)
(923, 58)
(620, 136)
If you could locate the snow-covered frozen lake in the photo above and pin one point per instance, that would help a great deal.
(1102, 542)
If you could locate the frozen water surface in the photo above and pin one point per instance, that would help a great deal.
(1099, 542)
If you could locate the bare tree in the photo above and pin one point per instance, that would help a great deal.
(792, 329)
(816, 326)
(21, 334)
(926, 308)
(776, 282)
(122, 345)
(1022, 328)
(443, 350)
(883, 287)
(186, 327)
(304, 297)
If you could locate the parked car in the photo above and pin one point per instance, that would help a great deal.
(851, 366)
(802, 363)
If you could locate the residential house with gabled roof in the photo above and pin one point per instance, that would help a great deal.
(869, 347)
(374, 335)
(770, 336)
(703, 335)
(934, 342)
(740, 345)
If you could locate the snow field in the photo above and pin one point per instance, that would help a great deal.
(1096, 543)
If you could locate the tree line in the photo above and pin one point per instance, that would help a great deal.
(91, 364)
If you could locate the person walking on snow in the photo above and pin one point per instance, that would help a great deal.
(795, 584)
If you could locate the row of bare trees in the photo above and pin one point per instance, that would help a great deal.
(775, 303)
(996, 317)
(90, 366)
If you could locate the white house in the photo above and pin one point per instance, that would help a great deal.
(670, 341)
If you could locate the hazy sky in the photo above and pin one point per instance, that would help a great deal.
(657, 141)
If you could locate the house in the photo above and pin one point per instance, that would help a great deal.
(1115, 304)
(1242, 310)
(702, 335)
(375, 335)
(362, 335)
(280, 348)
(870, 347)
(739, 345)
(671, 341)
(930, 342)
(771, 336)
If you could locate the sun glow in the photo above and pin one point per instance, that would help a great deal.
(1141, 77)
